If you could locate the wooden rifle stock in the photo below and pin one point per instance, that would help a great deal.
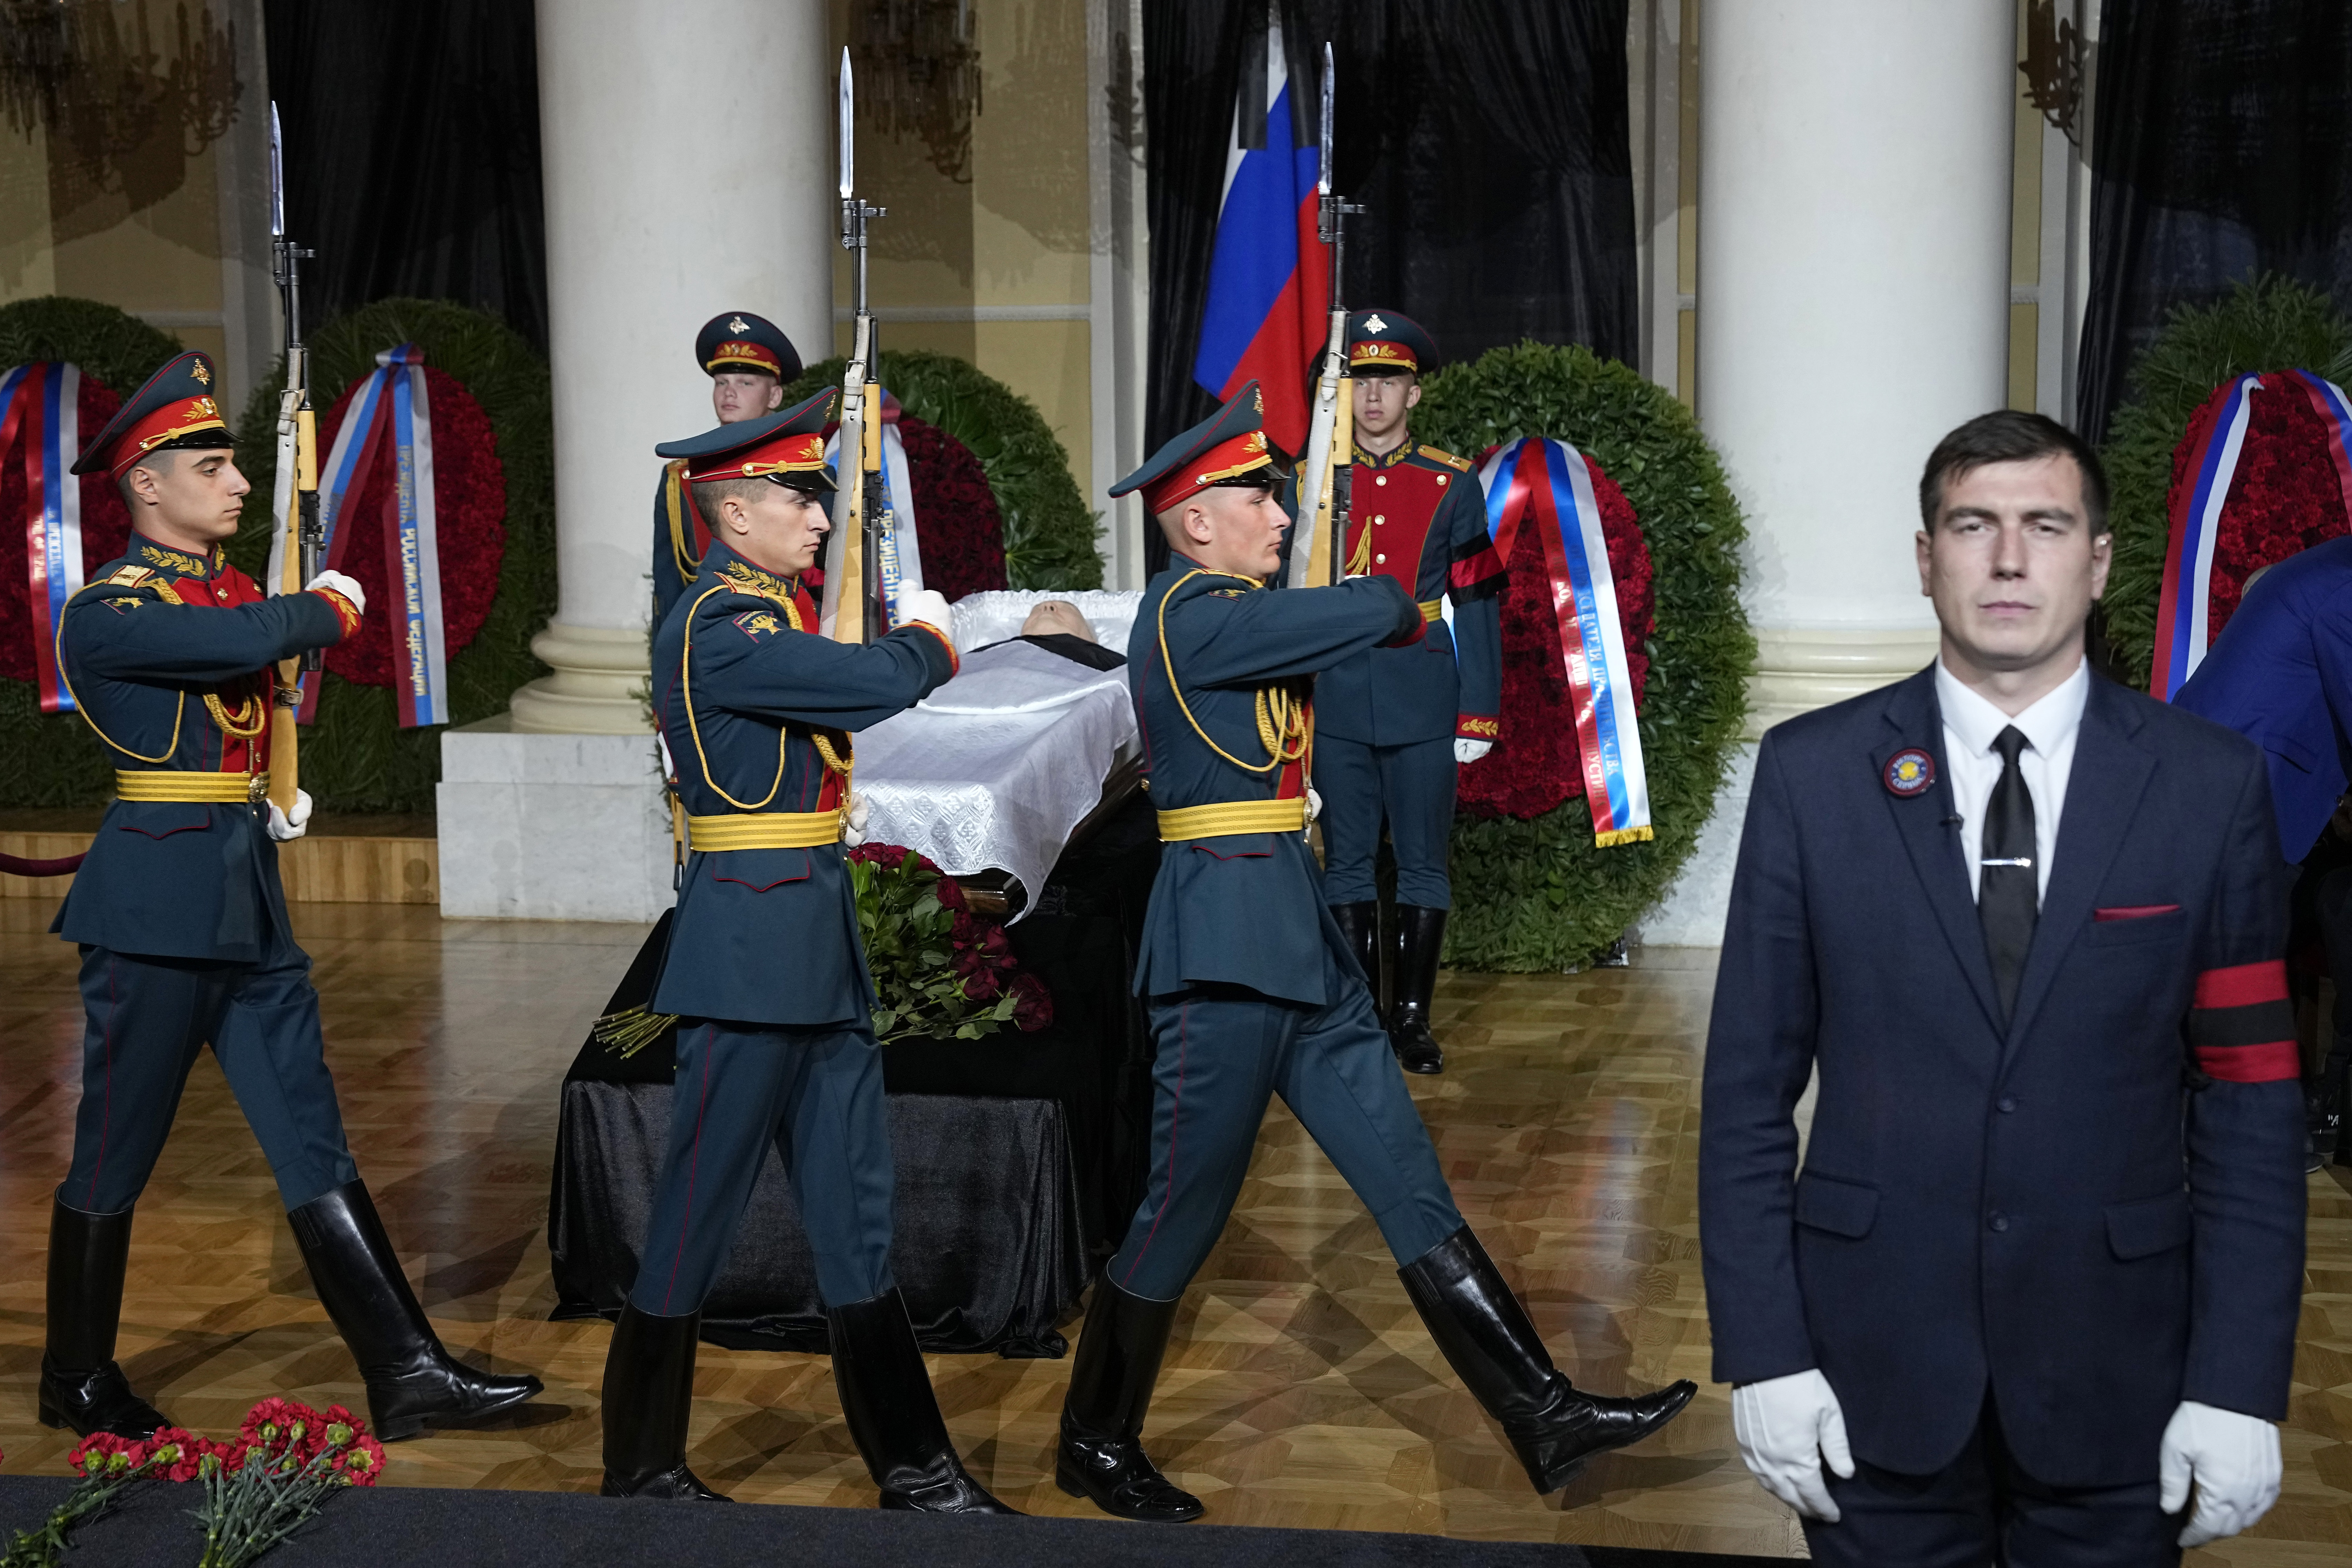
(285, 734)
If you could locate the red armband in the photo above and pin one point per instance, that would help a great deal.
(346, 611)
(2240, 1026)
(1476, 574)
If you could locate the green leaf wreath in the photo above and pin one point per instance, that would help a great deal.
(1538, 895)
(2271, 323)
(356, 757)
(1049, 534)
(52, 759)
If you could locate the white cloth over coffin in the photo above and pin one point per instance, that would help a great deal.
(995, 769)
(991, 617)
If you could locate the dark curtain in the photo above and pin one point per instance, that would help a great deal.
(1487, 138)
(412, 154)
(2221, 149)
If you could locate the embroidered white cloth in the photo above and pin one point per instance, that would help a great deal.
(996, 767)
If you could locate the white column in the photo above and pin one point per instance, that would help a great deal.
(1853, 306)
(688, 157)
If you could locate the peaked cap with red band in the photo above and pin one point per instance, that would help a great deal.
(738, 341)
(1383, 340)
(1227, 448)
(787, 446)
(177, 407)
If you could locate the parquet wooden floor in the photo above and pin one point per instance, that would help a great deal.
(1301, 1389)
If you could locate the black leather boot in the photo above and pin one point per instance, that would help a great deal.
(1487, 1339)
(1360, 925)
(411, 1382)
(80, 1385)
(1420, 937)
(648, 1397)
(1101, 1455)
(893, 1416)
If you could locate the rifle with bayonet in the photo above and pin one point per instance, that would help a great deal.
(853, 582)
(298, 453)
(1318, 558)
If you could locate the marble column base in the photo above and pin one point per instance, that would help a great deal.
(1796, 672)
(551, 828)
(598, 687)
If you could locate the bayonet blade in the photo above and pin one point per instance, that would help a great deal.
(277, 177)
(848, 133)
(1323, 131)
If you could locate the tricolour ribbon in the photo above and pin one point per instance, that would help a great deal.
(900, 569)
(2184, 603)
(38, 412)
(1547, 484)
(391, 415)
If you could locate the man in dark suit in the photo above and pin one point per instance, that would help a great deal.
(2041, 1270)
(1252, 991)
(766, 975)
(181, 920)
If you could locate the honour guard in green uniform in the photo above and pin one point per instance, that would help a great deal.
(765, 973)
(750, 362)
(181, 920)
(1252, 990)
(1395, 723)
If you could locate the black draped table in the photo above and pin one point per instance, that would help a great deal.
(1019, 1155)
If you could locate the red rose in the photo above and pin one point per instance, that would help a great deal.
(949, 892)
(1032, 1004)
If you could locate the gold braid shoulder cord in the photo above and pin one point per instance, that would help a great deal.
(252, 715)
(632, 1029)
(1284, 725)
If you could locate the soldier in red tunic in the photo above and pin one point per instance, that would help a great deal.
(1392, 725)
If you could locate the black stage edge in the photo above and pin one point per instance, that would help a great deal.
(544, 1530)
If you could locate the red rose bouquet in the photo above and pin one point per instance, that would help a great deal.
(940, 971)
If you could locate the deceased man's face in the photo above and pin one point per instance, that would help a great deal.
(1057, 616)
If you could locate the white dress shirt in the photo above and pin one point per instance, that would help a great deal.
(1971, 724)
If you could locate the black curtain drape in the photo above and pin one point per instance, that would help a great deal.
(2222, 148)
(412, 154)
(1487, 138)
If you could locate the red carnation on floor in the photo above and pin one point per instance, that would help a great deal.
(1538, 761)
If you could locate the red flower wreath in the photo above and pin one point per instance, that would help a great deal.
(2285, 497)
(1537, 762)
(105, 529)
(470, 503)
(962, 533)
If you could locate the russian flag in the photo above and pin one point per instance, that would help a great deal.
(1269, 275)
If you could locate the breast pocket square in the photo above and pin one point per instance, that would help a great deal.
(2135, 912)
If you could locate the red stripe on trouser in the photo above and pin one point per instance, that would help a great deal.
(693, 1161)
(1175, 1109)
(2244, 984)
(2272, 1062)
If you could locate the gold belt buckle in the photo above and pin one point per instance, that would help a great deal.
(257, 789)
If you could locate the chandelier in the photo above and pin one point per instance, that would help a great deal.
(120, 114)
(919, 74)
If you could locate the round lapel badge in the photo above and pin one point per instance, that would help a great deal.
(1909, 772)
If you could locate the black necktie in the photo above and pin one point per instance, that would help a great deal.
(2008, 889)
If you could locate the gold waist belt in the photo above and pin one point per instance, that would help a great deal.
(763, 830)
(1227, 818)
(1432, 609)
(218, 789)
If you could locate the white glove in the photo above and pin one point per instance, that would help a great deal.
(929, 606)
(853, 821)
(1314, 803)
(1467, 750)
(347, 587)
(2235, 1460)
(285, 829)
(1785, 1426)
